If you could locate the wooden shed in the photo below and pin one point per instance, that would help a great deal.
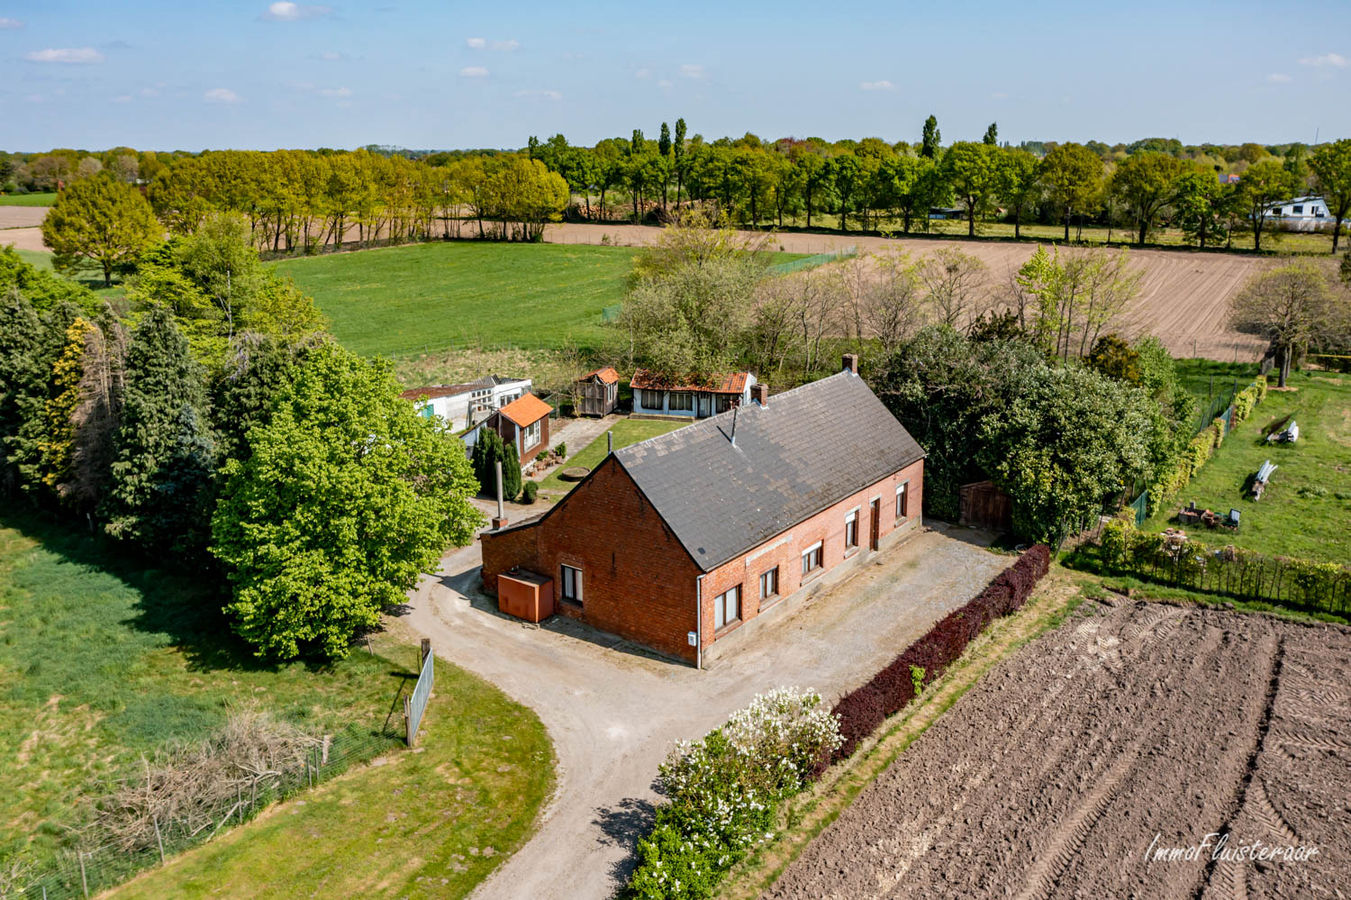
(598, 392)
(525, 595)
(985, 506)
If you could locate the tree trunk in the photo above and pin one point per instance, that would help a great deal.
(970, 219)
(1018, 225)
(1067, 226)
(1336, 234)
(1257, 241)
(1144, 228)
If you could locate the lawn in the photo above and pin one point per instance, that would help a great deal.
(626, 432)
(1306, 509)
(104, 658)
(423, 297)
(27, 199)
(432, 823)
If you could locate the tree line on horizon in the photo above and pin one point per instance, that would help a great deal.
(298, 200)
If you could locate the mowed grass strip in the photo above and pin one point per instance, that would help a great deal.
(43, 199)
(104, 658)
(425, 297)
(625, 431)
(1306, 508)
(433, 822)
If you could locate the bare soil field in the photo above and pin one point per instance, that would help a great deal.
(22, 216)
(1122, 735)
(1183, 301)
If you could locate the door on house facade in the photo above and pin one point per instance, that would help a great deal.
(705, 405)
(875, 523)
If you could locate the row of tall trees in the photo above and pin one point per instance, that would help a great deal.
(214, 424)
(879, 186)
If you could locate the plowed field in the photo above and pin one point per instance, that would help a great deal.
(1138, 731)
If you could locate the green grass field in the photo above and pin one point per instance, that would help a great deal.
(626, 432)
(404, 300)
(104, 658)
(1306, 509)
(27, 199)
(427, 297)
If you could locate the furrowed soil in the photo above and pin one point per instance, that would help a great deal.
(1141, 725)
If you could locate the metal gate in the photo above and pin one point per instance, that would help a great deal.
(416, 705)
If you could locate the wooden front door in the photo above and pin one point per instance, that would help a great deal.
(875, 526)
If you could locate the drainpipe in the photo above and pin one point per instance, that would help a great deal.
(699, 622)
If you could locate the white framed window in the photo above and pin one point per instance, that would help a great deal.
(723, 402)
(572, 584)
(650, 399)
(726, 608)
(902, 500)
(681, 400)
(531, 438)
(769, 583)
(851, 530)
(811, 559)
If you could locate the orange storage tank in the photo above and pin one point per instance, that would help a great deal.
(525, 595)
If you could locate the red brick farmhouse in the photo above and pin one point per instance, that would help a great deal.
(689, 541)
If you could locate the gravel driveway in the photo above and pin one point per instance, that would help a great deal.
(613, 709)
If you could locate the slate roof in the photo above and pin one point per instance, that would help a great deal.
(730, 383)
(807, 449)
(526, 410)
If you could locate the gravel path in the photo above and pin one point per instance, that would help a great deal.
(1148, 725)
(613, 710)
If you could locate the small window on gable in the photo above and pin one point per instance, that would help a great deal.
(902, 500)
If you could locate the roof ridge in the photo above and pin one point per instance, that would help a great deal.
(705, 422)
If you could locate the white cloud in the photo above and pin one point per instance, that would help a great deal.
(122, 98)
(286, 11)
(149, 92)
(999, 95)
(8, 24)
(692, 71)
(882, 85)
(66, 55)
(643, 73)
(543, 95)
(507, 45)
(336, 92)
(1279, 78)
(474, 72)
(665, 83)
(331, 56)
(476, 43)
(1326, 59)
(222, 95)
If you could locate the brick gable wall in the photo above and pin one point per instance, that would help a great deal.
(637, 580)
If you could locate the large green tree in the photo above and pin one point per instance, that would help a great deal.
(1288, 305)
(99, 220)
(972, 170)
(1331, 165)
(1072, 175)
(346, 497)
(1146, 183)
(160, 473)
(1264, 183)
(1016, 184)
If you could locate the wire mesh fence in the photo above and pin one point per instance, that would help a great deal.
(416, 703)
(811, 262)
(102, 857)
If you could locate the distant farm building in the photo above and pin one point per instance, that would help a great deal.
(695, 398)
(463, 405)
(690, 541)
(597, 392)
(1308, 213)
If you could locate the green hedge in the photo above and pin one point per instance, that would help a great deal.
(1203, 446)
(1235, 572)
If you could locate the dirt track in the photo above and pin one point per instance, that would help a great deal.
(1148, 724)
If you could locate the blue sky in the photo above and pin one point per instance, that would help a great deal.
(196, 73)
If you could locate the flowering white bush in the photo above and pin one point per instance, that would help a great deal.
(723, 790)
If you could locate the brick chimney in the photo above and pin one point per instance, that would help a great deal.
(850, 363)
(760, 393)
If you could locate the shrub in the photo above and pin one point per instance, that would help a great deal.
(529, 491)
(862, 711)
(561, 450)
(722, 792)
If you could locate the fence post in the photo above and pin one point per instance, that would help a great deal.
(407, 721)
(84, 882)
(423, 652)
(159, 839)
